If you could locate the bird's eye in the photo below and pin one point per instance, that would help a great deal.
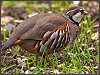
(81, 11)
(77, 11)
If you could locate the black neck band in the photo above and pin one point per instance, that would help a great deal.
(74, 21)
(69, 17)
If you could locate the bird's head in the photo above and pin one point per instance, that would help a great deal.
(75, 14)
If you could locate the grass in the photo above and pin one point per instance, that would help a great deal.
(77, 59)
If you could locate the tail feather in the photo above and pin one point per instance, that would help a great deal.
(4, 47)
(8, 43)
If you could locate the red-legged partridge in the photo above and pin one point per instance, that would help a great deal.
(49, 32)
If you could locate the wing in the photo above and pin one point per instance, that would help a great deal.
(37, 32)
(22, 28)
(34, 28)
(43, 25)
(27, 25)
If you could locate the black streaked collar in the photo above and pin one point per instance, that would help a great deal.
(70, 18)
(74, 21)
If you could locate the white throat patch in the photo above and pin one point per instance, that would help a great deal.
(77, 17)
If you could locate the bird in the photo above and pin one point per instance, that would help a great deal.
(47, 32)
